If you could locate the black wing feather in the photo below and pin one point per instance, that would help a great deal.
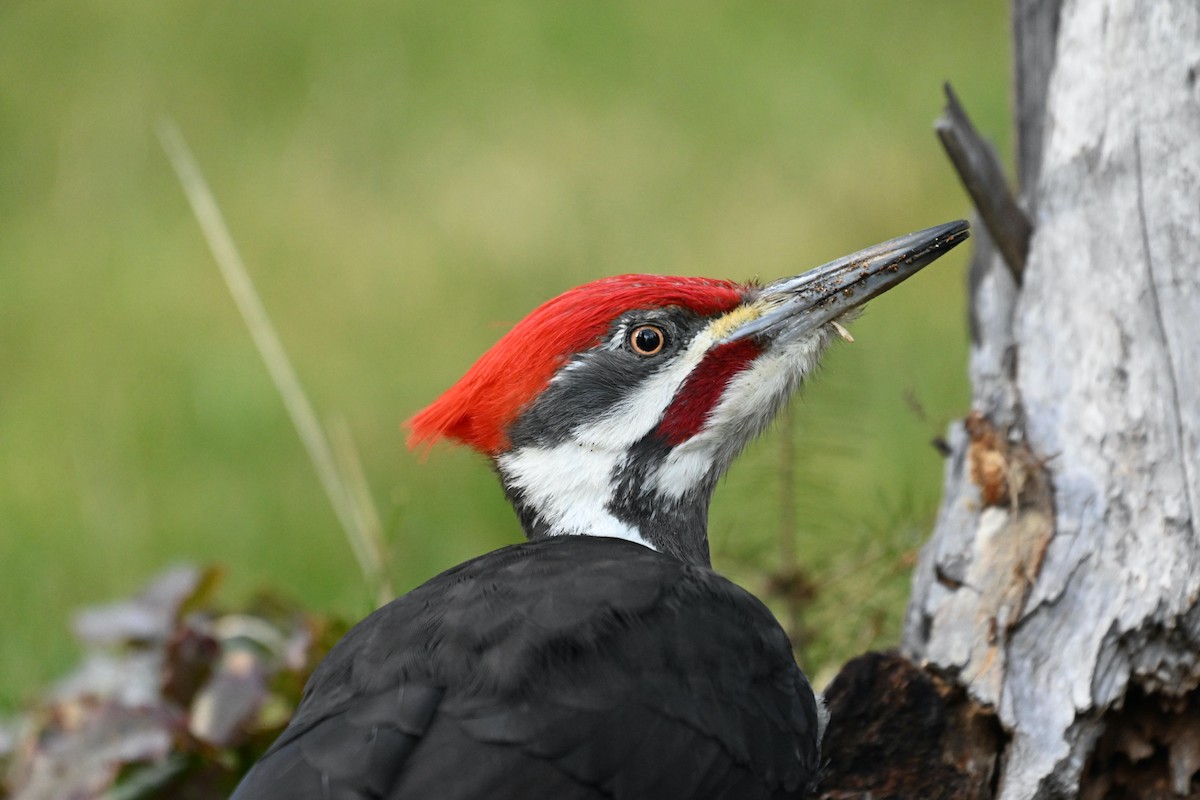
(572, 667)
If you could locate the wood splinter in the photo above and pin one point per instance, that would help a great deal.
(979, 170)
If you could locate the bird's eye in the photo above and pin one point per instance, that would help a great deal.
(647, 340)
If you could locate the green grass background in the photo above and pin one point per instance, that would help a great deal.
(405, 179)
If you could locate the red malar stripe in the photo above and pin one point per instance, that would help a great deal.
(694, 401)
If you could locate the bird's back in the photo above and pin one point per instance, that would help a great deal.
(570, 667)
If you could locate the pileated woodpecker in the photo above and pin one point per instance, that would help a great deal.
(603, 658)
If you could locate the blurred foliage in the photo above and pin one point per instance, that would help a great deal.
(174, 698)
(404, 180)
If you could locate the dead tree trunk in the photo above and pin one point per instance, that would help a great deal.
(1054, 625)
(1061, 588)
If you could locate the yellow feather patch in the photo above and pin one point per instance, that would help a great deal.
(726, 324)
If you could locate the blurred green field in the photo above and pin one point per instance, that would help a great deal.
(404, 180)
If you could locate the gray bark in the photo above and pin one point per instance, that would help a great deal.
(1063, 577)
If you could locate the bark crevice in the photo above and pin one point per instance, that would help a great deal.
(1156, 305)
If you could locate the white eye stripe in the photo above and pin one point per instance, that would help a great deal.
(641, 409)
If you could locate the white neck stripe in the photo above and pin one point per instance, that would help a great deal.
(569, 487)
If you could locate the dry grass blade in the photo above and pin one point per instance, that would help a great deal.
(347, 504)
(370, 548)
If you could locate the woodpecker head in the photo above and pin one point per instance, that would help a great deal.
(613, 409)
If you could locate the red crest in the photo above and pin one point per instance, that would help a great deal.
(478, 409)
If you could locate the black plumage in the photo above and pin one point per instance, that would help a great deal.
(577, 666)
(568, 667)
